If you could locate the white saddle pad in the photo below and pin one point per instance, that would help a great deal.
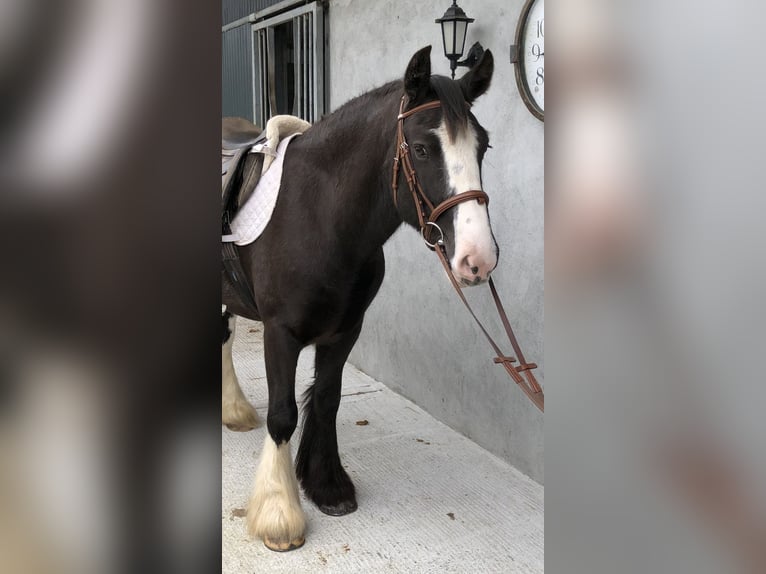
(254, 216)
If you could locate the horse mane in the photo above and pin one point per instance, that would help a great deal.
(447, 91)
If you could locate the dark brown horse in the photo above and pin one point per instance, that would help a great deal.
(319, 264)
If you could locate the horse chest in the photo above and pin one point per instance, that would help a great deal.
(319, 303)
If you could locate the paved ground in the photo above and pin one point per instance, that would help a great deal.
(430, 500)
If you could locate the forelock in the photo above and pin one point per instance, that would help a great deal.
(454, 106)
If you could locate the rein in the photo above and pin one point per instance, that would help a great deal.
(403, 161)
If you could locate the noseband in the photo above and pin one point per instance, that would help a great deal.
(403, 159)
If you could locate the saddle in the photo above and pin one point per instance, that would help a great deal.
(246, 154)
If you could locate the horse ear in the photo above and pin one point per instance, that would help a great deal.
(417, 78)
(476, 81)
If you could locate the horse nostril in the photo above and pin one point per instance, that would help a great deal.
(475, 270)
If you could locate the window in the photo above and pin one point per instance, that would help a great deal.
(273, 61)
(288, 64)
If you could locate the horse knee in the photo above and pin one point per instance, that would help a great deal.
(281, 422)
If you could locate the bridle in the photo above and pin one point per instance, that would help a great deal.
(403, 161)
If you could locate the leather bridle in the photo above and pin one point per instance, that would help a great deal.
(403, 161)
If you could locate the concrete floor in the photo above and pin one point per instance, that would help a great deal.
(430, 500)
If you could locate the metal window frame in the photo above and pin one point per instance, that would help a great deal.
(308, 25)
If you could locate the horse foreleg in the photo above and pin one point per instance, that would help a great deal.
(319, 468)
(274, 513)
(236, 412)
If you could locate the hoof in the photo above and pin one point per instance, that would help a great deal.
(240, 416)
(283, 546)
(341, 509)
(236, 427)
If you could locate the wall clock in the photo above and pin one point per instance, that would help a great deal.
(528, 55)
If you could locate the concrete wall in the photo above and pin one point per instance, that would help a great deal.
(417, 338)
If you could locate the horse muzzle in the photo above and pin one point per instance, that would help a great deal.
(473, 268)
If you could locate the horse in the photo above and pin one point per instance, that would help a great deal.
(319, 264)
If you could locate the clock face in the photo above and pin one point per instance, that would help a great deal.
(530, 56)
(534, 53)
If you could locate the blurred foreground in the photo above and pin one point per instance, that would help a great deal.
(655, 278)
(108, 438)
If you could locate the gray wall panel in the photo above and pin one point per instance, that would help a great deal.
(237, 72)
(235, 9)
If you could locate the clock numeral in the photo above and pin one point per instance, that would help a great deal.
(540, 78)
(541, 28)
(537, 51)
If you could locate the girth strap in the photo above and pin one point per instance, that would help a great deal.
(232, 266)
(238, 186)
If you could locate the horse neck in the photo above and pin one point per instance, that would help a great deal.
(358, 142)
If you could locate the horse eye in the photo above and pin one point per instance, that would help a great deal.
(420, 151)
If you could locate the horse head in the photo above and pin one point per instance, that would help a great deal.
(446, 145)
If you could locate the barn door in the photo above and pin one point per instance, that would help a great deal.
(288, 64)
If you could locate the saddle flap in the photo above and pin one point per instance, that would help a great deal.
(246, 154)
(240, 174)
(251, 175)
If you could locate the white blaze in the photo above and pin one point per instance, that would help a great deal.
(473, 235)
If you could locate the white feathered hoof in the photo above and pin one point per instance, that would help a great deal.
(236, 412)
(274, 514)
(239, 415)
(284, 546)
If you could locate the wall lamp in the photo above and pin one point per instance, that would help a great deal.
(454, 25)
